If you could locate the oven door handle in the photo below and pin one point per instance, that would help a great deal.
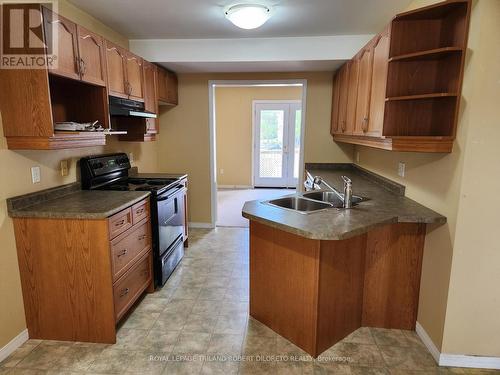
(170, 195)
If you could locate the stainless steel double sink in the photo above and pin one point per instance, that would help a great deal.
(313, 201)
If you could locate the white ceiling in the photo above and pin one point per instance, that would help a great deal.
(194, 19)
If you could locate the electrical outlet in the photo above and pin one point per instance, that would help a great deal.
(35, 175)
(131, 157)
(401, 169)
(64, 168)
(221, 171)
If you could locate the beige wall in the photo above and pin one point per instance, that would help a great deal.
(184, 145)
(234, 129)
(459, 305)
(16, 179)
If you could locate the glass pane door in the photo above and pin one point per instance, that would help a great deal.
(277, 136)
(271, 134)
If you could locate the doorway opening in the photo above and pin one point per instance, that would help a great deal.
(256, 144)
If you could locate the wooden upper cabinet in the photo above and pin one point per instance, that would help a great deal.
(92, 53)
(115, 61)
(67, 43)
(134, 76)
(172, 88)
(403, 90)
(365, 60)
(352, 96)
(335, 128)
(150, 98)
(380, 63)
(167, 87)
(344, 90)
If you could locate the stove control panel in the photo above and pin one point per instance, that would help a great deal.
(96, 168)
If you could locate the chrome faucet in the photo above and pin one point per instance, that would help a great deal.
(347, 192)
(346, 198)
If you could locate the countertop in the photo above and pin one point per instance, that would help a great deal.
(384, 207)
(78, 204)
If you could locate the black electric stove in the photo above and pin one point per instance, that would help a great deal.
(111, 172)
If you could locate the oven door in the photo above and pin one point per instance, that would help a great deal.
(170, 218)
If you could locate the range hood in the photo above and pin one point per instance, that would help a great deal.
(128, 108)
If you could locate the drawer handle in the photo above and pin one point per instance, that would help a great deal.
(120, 223)
(122, 253)
(141, 237)
(124, 292)
(139, 211)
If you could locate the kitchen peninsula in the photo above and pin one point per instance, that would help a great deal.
(315, 278)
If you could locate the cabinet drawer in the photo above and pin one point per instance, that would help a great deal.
(126, 248)
(131, 285)
(120, 222)
(140, 211)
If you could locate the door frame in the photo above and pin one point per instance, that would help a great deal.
(254, 127)
(212, 84)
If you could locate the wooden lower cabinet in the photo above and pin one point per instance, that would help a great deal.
(315, 292)
(75, 285)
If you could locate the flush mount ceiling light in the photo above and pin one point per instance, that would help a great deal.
(248, 16)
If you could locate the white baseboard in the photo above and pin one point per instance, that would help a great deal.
(456, 360)
(429, 344)
(470, 361)
(234, 187)
(13, 344)
(200, 225)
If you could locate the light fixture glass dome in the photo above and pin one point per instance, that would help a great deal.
(248, 16)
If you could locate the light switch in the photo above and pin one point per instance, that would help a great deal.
(64, 168)
(35, 175)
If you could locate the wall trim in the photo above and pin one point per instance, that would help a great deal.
(234, 187)
(456, 360)
(200, 225)
(13, 344)
(429, 344)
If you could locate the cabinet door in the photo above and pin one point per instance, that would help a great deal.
(150, 100)
(64, 32)
(335, 128)
(161, 81)
(115, 62)
(352, 96)
(92, 57)
(364, 87)
(379, 83)
(172, 88)
(135, 78)
(343, 94)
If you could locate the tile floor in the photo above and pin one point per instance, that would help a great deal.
(201, 315)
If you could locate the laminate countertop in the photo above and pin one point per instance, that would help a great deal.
(386, 204)
(69, 202)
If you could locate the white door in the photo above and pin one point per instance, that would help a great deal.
(277, 131)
